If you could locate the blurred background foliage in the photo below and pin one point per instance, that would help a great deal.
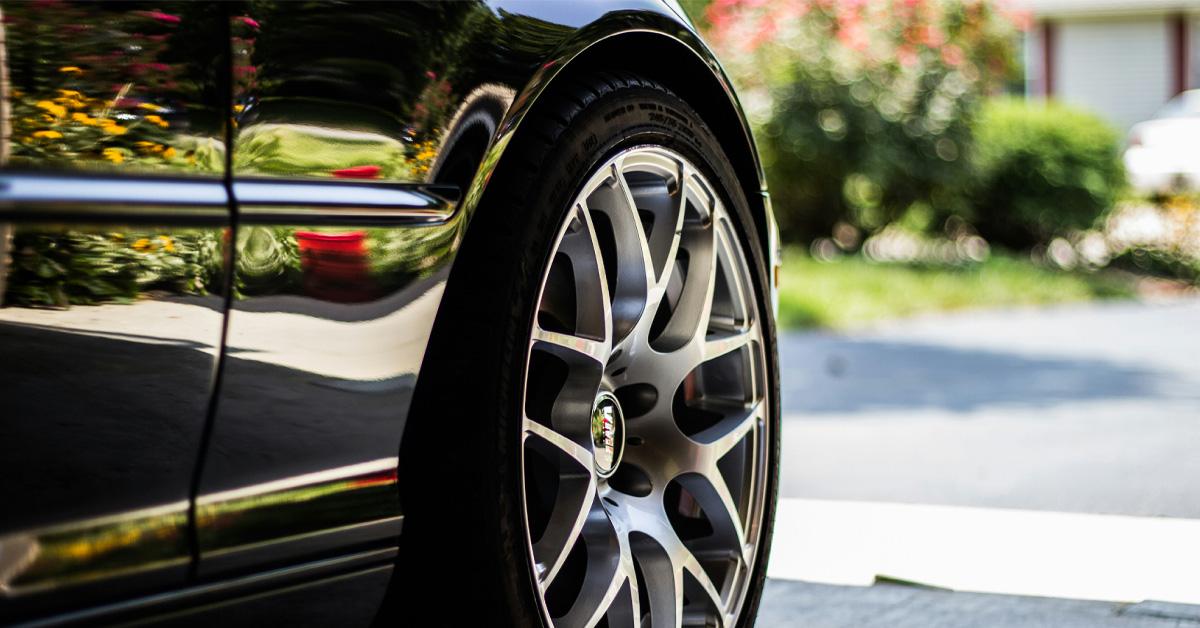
(1040, 172)
(894, 132)
(864, 109)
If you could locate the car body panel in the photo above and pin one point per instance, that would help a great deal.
(113, 216)
(342, 254)
(361, 141)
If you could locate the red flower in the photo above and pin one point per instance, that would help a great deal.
(358, 172)
(953, 55)
(251, 22)
(165, 18)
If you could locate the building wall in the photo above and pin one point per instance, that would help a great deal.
(1118, 67)
(1122, 64)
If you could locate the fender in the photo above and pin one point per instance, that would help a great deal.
(652, 38)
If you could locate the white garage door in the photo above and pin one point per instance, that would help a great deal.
(1117, 68)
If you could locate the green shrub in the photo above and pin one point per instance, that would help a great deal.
(57, 268)
(1041, 170)
(863, 109)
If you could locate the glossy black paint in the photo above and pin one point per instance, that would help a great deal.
(328, 157)
(112, 275)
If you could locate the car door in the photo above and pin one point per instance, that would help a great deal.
(114, 215)
(342, 250)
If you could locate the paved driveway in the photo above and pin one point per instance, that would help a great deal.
(1086, 408)
(952, 450)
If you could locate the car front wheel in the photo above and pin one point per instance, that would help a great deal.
(615, 440)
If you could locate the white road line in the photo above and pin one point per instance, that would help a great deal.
(1068, 555)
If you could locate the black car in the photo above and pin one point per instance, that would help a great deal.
(321, 313)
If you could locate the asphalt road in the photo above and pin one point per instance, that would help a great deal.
(789, 604)
(1082, 408)
(1078, 409)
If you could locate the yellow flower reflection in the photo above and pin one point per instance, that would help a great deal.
(71, 69)
(47, 135)
(153, 119)
(55, 109)
(114, 155)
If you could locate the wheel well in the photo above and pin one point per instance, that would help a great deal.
(677, 67)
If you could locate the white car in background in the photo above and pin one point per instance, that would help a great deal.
(1163, 154)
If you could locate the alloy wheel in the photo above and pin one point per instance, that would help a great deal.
(644, 431)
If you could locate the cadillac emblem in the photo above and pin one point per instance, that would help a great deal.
(608, 433)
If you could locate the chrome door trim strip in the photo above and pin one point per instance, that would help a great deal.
(74, 197)
(315, 202)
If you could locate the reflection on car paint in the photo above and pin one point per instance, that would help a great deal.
(109, 87)
(41, 559)
(111, 295)
(323, 349)
(335, 301)
(108, 337)
(255, 522)
(322, 91)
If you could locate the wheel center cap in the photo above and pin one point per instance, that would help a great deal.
(608, 433)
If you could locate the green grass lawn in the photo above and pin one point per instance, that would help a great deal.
(852, 291)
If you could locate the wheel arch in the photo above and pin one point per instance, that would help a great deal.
(664, 49)
(681, 62)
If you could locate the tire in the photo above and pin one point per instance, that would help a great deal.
(468, 547)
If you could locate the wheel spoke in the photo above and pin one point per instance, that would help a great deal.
(721, 344)
(657, 189)
(636, 230)
(591, 308)
(564, 528)
(607, 570)
(689, 317)
(661, 580)
(577, 452)
(665, 560)
(576, 491)
(734, 270)
(625, 610)
(727, 433)
(629, 260)
(693, 568)
(601, 275)
(710, 490)
(594, 349)
(718, 253)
